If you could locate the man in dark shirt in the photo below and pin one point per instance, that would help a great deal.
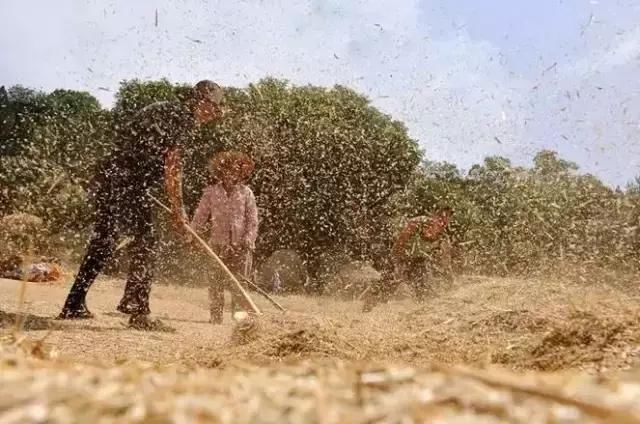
(147, 148)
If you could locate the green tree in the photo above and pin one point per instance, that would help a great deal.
(134, 94)
(547, 162)
(20, 109)
(332, 174)
(328, 164)
(53, 144)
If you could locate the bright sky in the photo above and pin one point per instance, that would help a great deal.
(470, 78)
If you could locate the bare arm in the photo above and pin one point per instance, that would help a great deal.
(173, 186)
(403, 238)
(435, 228)
(202, 211)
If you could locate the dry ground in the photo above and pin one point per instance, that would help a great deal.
(523, 325)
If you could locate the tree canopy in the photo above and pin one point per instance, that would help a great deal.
(332, 173)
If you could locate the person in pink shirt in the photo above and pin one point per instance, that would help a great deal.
(230, 208)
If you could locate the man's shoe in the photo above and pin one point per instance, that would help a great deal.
(127, 308)
(75, 313)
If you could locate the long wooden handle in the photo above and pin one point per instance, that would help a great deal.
(265, 294)
(211, 253)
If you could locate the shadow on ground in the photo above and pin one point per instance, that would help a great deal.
(29, 321)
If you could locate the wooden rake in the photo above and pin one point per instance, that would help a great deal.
(237, 287)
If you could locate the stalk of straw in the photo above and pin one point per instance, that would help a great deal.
(265, 294)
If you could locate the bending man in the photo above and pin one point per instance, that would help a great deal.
(147, 148)
(413, 251)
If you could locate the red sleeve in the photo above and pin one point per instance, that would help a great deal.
(434, 229)
(403, 238)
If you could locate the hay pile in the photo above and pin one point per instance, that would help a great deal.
(517, 324)
(545, 327)
(489, 323)
(38, 389)
(332, 364)
(291, 336)
(586, 338)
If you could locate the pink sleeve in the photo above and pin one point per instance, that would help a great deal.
(251, 211)
(203, 210)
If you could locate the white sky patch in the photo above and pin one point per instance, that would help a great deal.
(623, 50)
(456, 94)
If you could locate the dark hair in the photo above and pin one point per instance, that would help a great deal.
(208, 89)
(232, 162)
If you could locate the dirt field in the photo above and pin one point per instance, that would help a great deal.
(522, 325)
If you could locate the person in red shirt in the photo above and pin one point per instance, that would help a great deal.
(405, 266)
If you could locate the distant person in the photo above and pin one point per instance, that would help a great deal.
(417, 247)
(147, 150)
(230, 207)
